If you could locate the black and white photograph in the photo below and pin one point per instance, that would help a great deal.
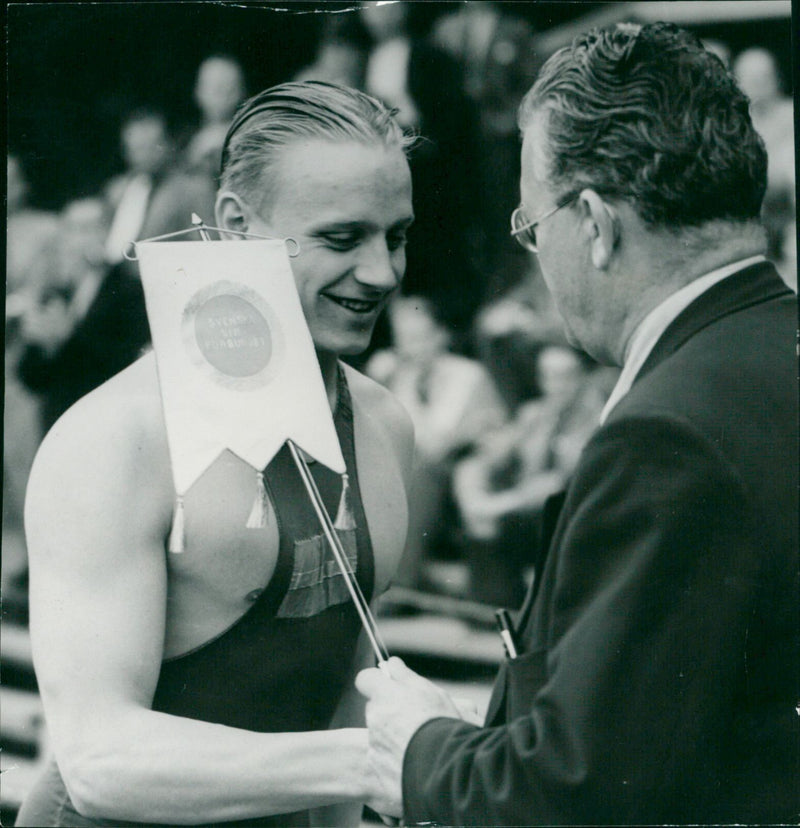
(401, 414)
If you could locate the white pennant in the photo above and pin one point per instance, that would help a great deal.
(236, 363)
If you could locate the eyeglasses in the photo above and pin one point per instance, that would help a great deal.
(525, 231)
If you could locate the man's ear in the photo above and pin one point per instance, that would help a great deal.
(602, 224)
(232, 213)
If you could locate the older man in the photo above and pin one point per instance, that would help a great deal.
(216, 686)
(657, 670)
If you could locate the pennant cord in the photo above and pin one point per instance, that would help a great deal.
(201, 227)
(364, 612)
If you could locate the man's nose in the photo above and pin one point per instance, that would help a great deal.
(376, 268)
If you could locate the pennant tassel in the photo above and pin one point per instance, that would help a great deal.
(344, 515)
(260, 511)
(177, 535)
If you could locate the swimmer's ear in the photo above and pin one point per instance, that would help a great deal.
(232, 213)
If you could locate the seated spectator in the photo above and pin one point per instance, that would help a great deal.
(494, 49)
(88, 325)
(218, 91)
(29, 236)
(340, 56)
(510, 331)
(773, 117)
(501, 487)
(452, 401)
(788, 263)
(406, 70)
(152, 197)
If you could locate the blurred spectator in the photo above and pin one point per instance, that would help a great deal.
(30, 235)
(219, 89)
(496, 52)
(773, 117)
(498, 64)
(719, 48)
(510, 332)
(152, 196)
(340, 56)
(388, 64)
(501, 487)
(29, 231)
(452, 401)
(86, 326)
(405, 70)
(788, 263)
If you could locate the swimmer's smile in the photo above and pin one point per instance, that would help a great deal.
(360, 306)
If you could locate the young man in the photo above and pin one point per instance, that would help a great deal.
(194, 688)
(656, 678)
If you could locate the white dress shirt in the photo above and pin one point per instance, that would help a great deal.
(128, 217)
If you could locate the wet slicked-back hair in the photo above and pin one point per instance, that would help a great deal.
(268, 122)
(648, 114)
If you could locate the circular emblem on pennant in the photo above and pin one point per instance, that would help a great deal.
(232, 335)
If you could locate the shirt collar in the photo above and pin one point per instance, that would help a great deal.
(650, 329)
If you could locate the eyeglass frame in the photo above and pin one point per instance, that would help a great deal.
(528, 240)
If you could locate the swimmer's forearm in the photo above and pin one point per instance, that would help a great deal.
(159, 768)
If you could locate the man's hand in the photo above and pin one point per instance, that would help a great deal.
(399, 701)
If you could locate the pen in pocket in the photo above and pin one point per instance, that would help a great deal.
(506, 627)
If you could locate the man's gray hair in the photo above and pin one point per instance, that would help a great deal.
(647, 114)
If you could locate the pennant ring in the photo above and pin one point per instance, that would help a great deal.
(292, 245)
(295, 247)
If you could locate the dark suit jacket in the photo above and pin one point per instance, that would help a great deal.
(659, 673)
(175, 195)
(110, 336)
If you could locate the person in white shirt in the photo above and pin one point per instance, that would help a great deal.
(152, 196)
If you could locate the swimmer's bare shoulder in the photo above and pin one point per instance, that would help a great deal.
(105, 462)
(384, 439)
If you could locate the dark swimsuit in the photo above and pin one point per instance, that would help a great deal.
(285, 663)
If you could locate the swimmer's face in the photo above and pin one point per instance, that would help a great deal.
(348, 205)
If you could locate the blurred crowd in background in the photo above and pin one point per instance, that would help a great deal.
(502, 405)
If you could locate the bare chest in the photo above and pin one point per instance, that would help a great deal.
(226, 565)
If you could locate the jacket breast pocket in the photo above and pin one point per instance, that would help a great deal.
(525, 676)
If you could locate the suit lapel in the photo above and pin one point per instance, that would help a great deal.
(751, 286)
(497, 701)
(550, 514)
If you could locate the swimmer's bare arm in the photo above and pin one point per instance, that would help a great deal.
(349, 713)
(97, 515)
